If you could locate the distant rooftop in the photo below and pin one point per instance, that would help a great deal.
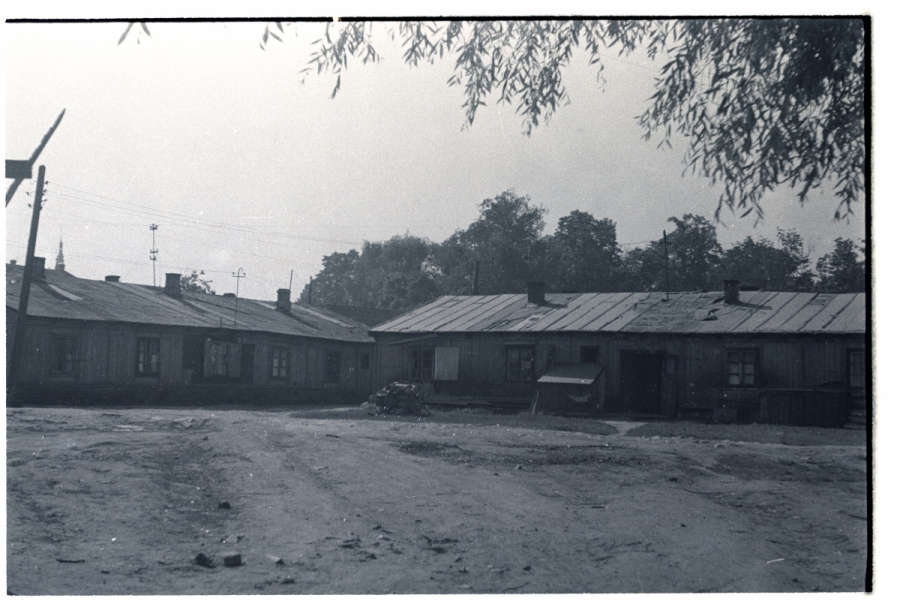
(64, 296)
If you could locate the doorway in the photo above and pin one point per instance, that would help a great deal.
(640, 381)
(248, 359)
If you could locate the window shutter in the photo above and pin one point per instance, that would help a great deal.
(446, 363)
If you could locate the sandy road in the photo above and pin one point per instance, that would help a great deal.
(121, 501)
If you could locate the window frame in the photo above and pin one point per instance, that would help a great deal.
(327, 377)
(279, 362)
(70, 351)
(418, 359)
(523, 373)
(215, 363)
(743, 352)
(148, 341)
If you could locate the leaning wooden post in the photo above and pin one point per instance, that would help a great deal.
(13, 366)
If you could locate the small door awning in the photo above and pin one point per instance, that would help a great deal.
(584, 373)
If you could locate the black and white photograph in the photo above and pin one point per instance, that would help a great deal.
(433, 305)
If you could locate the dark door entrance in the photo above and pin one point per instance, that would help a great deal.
(193, 356)
(640, 381)
(669, 386)
(248, 358)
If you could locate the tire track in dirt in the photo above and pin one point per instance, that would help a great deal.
(406, 506)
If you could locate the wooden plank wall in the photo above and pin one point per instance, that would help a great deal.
(107, 355)
(783, 362)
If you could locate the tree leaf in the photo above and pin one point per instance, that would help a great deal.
(125, 33)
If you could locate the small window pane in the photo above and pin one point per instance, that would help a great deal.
(148, 357)
(280, 356)
(519, 363)
(741, 368)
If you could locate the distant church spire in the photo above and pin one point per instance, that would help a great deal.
(60, 261)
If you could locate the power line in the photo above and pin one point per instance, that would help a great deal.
(129, 261)
(178, 217)
(194, 219)
(194, 241)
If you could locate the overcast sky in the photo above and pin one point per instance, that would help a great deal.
(240, 165)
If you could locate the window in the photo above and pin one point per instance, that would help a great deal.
(364, 362)
(280, 360)
(62, 355)
(421, 364)
(856, 368)
(520, 363)
(332, 367)
(147, 357)
(741, 367)
(218, 359)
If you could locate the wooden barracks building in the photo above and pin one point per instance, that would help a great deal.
(90, 341)
(777, 357)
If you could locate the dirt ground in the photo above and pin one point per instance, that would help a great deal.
(108, 501)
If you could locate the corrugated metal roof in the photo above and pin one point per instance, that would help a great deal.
(640, 312)
(65, 296)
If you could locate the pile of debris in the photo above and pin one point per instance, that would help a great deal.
(401, 398)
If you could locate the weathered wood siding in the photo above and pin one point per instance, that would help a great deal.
(699, 377)
(107, 354)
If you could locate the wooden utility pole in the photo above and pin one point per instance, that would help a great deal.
(13, 366)
(666, 251)
(154, 251)
(240, 273)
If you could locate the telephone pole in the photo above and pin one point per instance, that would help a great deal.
(12, 367)
(154, 252)
(237, 290)
(666, 253)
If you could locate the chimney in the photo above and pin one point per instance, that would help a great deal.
(230, 294)
(732, 292)
(173, 285)
(38, 273)
(536, 292)
(111, 278)
(284, 300)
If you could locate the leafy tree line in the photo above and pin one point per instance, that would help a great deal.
(506, 246)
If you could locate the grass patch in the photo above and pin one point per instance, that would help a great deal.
(754, 433)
